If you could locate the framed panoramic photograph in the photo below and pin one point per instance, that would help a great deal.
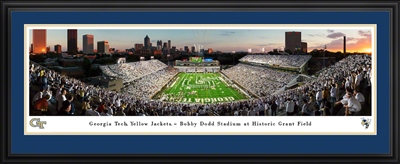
(200, 82)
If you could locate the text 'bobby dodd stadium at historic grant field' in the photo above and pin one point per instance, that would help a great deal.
(201, 123)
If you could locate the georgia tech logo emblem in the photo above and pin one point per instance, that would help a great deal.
(365, 122)
(35, 122)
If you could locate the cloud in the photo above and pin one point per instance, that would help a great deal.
(228, 33)
(352, 43)
(335, 35)
(364, 33)
(315, 35)
(330, 31)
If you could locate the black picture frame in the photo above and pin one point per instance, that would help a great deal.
(9, 6)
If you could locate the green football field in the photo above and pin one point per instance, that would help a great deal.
(200, 88)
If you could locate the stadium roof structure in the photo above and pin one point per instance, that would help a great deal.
(103, 78)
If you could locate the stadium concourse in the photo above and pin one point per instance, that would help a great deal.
(341, 89)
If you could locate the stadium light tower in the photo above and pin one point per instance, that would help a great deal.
(168, 55)
(324, 55)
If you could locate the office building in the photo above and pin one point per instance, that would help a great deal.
(88, 44)
(193, 49)
(169, 44)
(159, 43)
(147, 42)
(39, 41)
(72, 45)
(304, 47)
(186, 49)
(57, 48)
(138, 46)
(293, 41)
(103, 47)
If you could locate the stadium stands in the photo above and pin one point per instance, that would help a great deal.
(149, 76)
(259, 80)
(132, 71)
(281, 60)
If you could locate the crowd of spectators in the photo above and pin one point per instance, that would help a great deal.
(146, 86)
(259, 80)
(133, 70)
(281, 60)
(317, 97)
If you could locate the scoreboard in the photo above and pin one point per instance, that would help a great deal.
(196, 59)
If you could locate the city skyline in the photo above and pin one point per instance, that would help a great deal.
(220, 40)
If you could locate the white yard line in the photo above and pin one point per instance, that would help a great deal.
(177, 79)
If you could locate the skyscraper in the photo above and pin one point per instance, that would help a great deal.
(293, 41)
(147, 42)
(186, 49)
(72, 44)
(138, 46)
(103, 47)
(88, 44)
(159, 43)
(169, 44)
(193, 49)
(39, 41)
(57, 48)
(304, 47)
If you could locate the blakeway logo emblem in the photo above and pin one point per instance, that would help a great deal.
(35, 122)
(365, 122)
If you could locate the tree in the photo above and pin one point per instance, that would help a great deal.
(37, 58)
(316, 53)
(94, 72)
(288, 51)
(86, 64)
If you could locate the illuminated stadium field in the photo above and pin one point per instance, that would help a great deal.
(200, 88)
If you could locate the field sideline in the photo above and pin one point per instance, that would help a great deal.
(200, 88)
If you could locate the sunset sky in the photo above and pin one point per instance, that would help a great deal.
(220, 40)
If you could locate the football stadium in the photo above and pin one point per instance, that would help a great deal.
(259, 85)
